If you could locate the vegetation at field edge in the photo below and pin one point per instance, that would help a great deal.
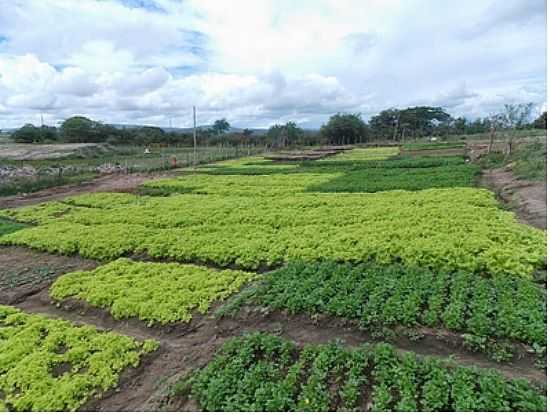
(262, 372)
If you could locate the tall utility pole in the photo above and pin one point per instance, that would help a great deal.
(41, 127)
(194, 136)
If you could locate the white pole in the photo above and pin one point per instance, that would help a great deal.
(194, 136)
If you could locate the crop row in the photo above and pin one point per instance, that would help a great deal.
(362, 154)
(447, 229)
(432, 146)
(380, 179)
(260, 372)
(52, 365)
(499, 308)
(331, 166)
(153, 292)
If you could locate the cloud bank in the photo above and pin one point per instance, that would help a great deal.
(258, 62)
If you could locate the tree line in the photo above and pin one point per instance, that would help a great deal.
(392, 124)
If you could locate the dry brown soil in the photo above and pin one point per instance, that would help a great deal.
(24, 272)
(527, 198)
(107, 183)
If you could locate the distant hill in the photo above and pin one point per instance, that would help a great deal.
(189, 130)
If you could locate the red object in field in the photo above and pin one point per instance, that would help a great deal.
(174, 162)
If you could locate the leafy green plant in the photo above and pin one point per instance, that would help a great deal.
(53, 365)
(491, 312)
(262, 372)
(255, 222)
(154, 292)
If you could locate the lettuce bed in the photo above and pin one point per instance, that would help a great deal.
(156, 293)
(53, 365)
(442, 229)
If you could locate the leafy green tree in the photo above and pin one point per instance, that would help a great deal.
(27, 134)
(82, 130)
(459, 125)
(540, 122)
(344, 129)
(220, 126)
(285, 135)
(386, 124)
(413, 121)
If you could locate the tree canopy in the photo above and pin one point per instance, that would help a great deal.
(345, 129)
(540, 122)
(220, 126)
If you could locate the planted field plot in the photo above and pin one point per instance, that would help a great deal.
(492, 314)
(379, 153)
(52, 365)
(155, 293)
(390, 246)
(448, 229)
(266, 373)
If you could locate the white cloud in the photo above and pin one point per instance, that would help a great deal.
(259, 61)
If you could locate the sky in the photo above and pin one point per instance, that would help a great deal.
(261, 62)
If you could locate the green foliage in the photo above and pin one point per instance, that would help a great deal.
(261, 372)
(540, 122)
(31, 134)
(364, 154)
(418, 121)
(33, 184)
(378, 296)
(253, 221)
(8, 226)
(52, 365)
(432, 146)
(380, 179)
(288, 134)
(220, 126)
(528, 161)
(153, 292)
(345, 129)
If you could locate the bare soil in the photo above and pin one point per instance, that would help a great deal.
(25, 272)
(307, 154)
(17, 151)
(185, 348)
(435, 152)
(527, 198)
(107, 183)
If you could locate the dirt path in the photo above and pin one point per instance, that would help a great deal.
(108, 183)
(526, 198)
(188, 347)
(24, 272)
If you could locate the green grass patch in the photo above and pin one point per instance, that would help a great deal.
(528, 161)
(34, 184)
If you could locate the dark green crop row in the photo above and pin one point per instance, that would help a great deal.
(432, 146)
(379, 180)
(504, 307)
(333, 166)
(406, 173)
(8, 226)
(259, 372)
